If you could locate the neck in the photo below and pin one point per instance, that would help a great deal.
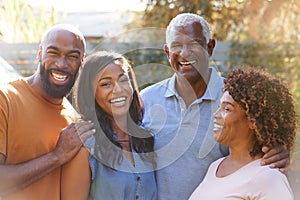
(190, 91)
(233, 162)
(242, 154)
(120, 127)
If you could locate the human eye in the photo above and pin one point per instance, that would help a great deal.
(124, 79)
(176, 45)
(194, 44)
(200, 42)
(226, 108)
(51, 52)
(104, 83)
(74, 56)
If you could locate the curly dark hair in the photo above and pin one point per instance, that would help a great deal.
(268, 104)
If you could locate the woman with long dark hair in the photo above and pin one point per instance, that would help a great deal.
(120, 152)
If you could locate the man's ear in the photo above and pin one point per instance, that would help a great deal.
(39, 54)
(167, 51)
(210, 46)
(82, 60)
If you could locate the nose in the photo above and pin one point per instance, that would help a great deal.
(61, 62)
(217, 113)
(117, 88)
(184, 51)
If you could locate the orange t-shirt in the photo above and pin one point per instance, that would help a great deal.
(29, 127)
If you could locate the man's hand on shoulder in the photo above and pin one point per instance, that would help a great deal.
(71, 139)
(277, 157)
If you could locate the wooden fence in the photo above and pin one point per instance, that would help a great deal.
(22, 56)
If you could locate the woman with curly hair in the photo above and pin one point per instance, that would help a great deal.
(120, 159)
(256, 110)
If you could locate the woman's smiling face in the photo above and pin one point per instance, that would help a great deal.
(113, 90)
(231, 125)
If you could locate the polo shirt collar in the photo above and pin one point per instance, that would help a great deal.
(215, 84)
(171, 91)
(211, 93)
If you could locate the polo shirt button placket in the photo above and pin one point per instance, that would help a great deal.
(138, 178)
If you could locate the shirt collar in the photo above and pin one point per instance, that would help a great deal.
(211, 93)
(215, 85)
(171, 91)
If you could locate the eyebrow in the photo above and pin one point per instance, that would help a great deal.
(57, 49)
(103, 78)
(227, 103)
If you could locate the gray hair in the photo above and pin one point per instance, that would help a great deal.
(184, 19)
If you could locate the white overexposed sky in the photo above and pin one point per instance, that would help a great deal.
(90, 5)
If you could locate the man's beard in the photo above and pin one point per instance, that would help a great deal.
(56, 91)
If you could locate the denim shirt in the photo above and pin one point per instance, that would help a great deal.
(123, 181)
(183, 136)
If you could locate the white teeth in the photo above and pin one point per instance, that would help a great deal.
(218, 126)
(187, 62)
(116, 100)
(59, 77)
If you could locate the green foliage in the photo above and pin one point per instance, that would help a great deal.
(280, 59)
(275, 48)
(158, 13)
(19, 22)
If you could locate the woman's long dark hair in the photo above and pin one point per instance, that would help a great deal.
(84, 95)
(141, 140)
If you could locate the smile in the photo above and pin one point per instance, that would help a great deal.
(118, 100)
(218, 126)
(187, 62)
(59, 77)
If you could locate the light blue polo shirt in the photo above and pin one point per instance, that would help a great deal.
(184, 141)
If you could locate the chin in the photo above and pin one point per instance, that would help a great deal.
(120, 113)
(217, 137)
